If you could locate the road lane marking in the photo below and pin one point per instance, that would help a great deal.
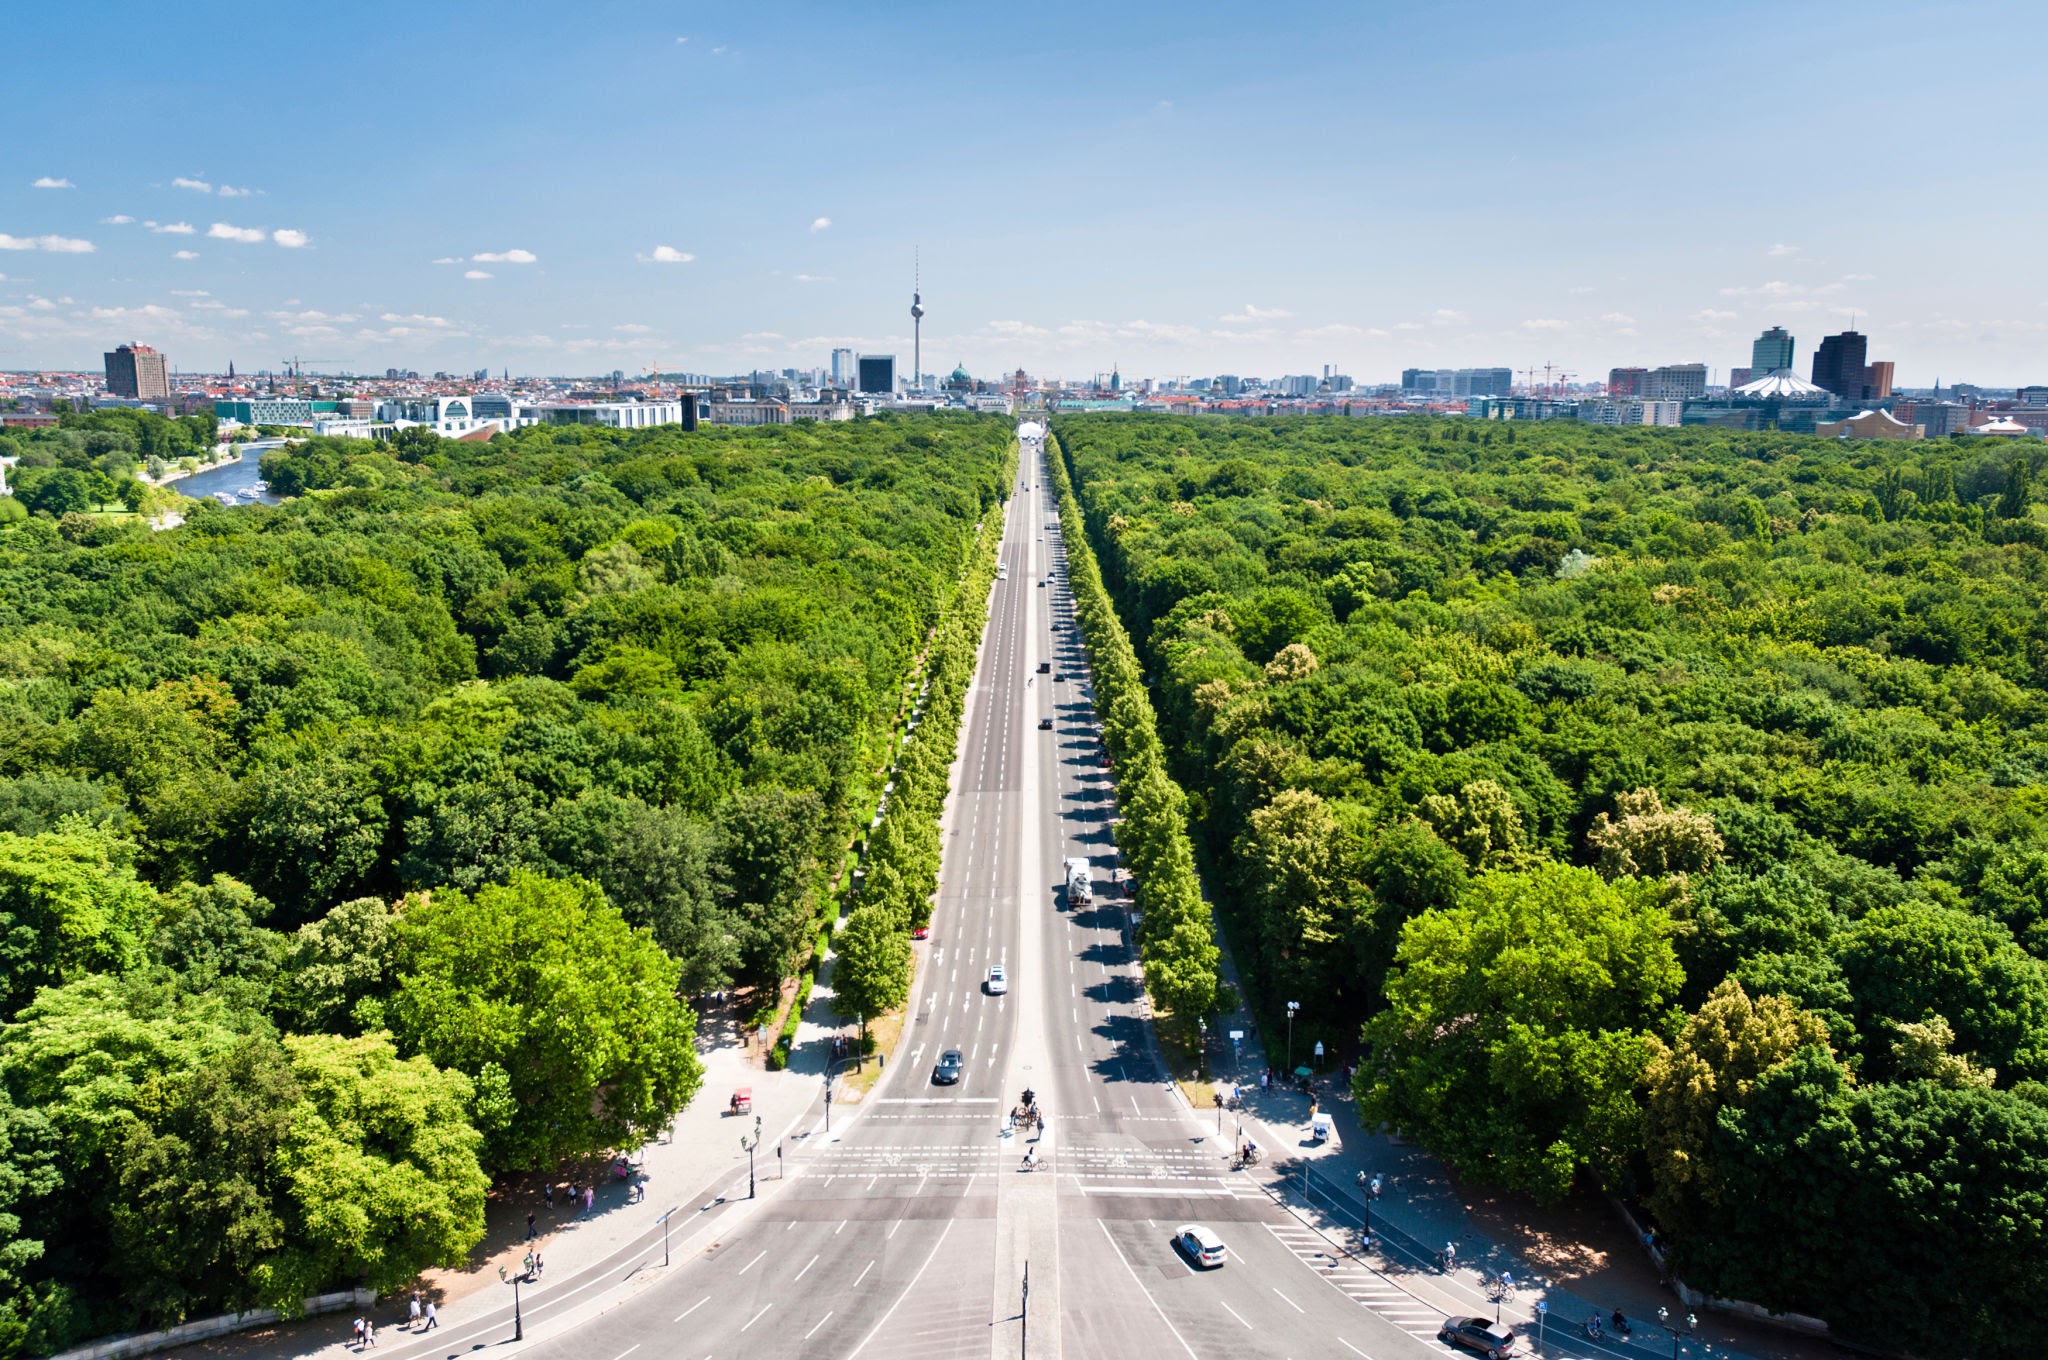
(1234, 1313)
(693, 1308)
(821, 1322)
(1353, 1349)
(1146, 1292)
(806, 1270)
(751, 1264)
(908, 1289)
(626, 1352)
(750, 1321)
(1290, 1302)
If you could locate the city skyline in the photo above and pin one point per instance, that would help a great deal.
(1155, 189)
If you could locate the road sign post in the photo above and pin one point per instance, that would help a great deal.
(1542, 1311)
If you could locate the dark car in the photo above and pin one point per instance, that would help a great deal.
(1059, 675)
(1044, 666)
(951, 1064)
(1045, 724)
(1491, 1339)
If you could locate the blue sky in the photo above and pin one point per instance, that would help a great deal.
(1175, 189)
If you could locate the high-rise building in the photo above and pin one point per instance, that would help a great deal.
(1770, 352)
(1839, 362)
(877, 374)
(1738, 376)
(1626, 382)
(138, 371)
(842, 367)
(1877, 379)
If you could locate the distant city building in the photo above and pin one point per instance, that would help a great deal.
(1627, 382)
(2032, 396)
(842, 368)
(1459, 382)
(1842, 365)
(1877, 379)
(1676, 382)
(1738, 376)
(1631, 412)
(1869, 425)
(273, 410)
(1770, 352)
(138, 371)
(877, 374)
(1939, 419)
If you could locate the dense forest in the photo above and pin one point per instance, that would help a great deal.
(1665, 808)
(357, 850)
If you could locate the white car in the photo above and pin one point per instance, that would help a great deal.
(1201, 1246)
(998, 981)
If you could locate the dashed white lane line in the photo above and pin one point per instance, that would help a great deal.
(751, 1264)
(1234, 1313)
(752, 1320)
(626, 1352)
(693, 1308)
(821, 1322)
(1290, 1302)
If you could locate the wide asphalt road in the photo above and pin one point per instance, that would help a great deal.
(907, 1230)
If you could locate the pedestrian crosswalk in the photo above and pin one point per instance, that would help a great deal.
(1358, 1281)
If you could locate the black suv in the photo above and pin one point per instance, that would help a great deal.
(1494, 1340)
(951, 1064)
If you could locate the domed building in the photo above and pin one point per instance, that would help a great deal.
(960, 380)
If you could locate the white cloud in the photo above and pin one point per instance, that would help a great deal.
(117, 220)
(1709, 314)
(47, 182)
(185, 255)
(1782, 249)
(719, 51)
(288, 237)
(1336, 330)
(1618, 319)
(449, 259)
(504, 257)
(634, 328)
(60, 245)
(1407, 325)
(1163, 106)
(820, 223)
(666, 255)
(197, 186)
(1584, 288)
(1545, 323)
(230, 191)
(1252, 313)
(1447, 316)
(1775, 288)
(190, 292)
(478, 274)
(682, 40)
(415, 319)
(221, 231)
(812, 278)
(1858, 278)
(171, 228)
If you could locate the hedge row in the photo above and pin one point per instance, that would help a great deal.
(1176, 936)
(903, 854)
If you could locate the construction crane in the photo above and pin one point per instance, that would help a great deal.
(1528, 380)
(294, 365)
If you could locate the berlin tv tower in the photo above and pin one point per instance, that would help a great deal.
(916, 325)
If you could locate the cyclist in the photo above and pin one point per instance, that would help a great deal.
(1449, 1256)
(1031, 1159)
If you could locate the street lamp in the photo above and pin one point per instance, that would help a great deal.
(1292, 1007)
(749, 1143)
(1692, 1323)
(518, 1320)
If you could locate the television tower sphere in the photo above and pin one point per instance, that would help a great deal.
(916, 307)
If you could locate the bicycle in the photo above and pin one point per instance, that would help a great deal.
(1499, 1288)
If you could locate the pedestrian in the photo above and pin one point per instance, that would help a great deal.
(359, 1333)
(547, 1194)
(433, 1316)
(529, 1265)
(589, 1198)
(538, 1264)
(531, 1231)
(369, 1332)
(412, 1312)
(1265, 1079)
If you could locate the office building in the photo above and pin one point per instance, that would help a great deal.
(138, 371)
(877, 374)
(1770, 352)
(1676, 382)
(1458, 382)
(1631, 412)
(842, 368)
(1738, 376)
(1838, 364)
(1877, 379)
(2032, 396)
(1626, 382)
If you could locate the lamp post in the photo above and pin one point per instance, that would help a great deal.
(749, 1143)
(1292, 1007)
(1692, 1323)
(518, 1320)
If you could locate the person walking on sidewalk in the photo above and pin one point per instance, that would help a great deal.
(412, 1312)
(433, 1316)
(531, 1231)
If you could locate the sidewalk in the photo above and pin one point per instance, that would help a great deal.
(1578, 1257)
